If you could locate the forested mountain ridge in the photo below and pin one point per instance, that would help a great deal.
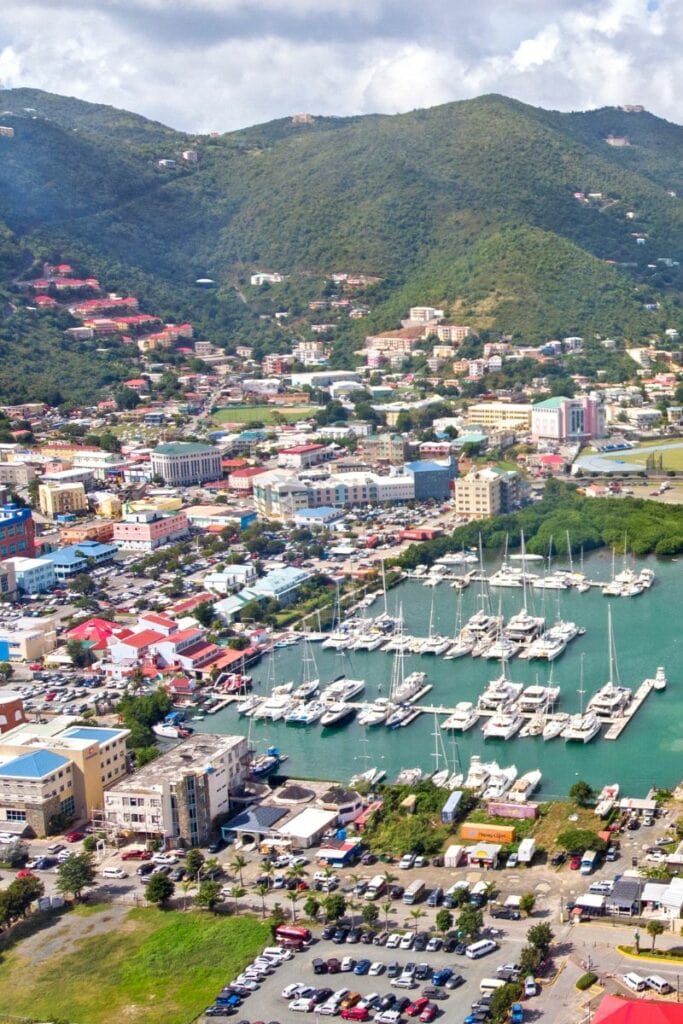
(521, 220)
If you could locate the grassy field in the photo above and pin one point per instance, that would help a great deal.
(672, 458)
(557, 820)
(267, 414)
(144, 967)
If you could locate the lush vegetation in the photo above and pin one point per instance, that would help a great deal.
(393, 829)
(156, 966)
(470, 203)
(647, 526)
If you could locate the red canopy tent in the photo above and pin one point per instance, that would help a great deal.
(613, 1010)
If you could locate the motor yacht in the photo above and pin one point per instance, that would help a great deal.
(342, 690)
(409, 777)
(503, 724)
(337, 713)
(525, 785)
(659, 682)
(606, 799)
(479, 773)
(499, 783)
(609, 701)
(306, 714)
(375, 713)
(533, 698)
(498, 693)
(500, 648)
(464, 716)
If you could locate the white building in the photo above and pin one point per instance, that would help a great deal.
(33, 575)
(178, 796)
(184, 463)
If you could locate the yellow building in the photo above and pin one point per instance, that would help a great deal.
(109, 507)
(61, 499)
(479, 494)
(500, 415)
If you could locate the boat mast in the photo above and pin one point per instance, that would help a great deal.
(581, 690)
(569, 553)
(384, 588)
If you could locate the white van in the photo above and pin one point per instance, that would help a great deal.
(634, 982)
(488, 985)
(659, 985)
(481, 948)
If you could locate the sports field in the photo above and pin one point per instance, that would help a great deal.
(671, 453)
(267, 414)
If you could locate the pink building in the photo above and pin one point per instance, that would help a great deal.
(145, 531)
(563, 420)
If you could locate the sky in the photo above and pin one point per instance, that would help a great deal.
(216, 65)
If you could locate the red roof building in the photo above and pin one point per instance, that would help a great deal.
(94, 632)
(614, 1010)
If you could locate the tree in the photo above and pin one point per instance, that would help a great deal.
(80, 656)
(75, 874)
(261, 891)
(503, 998)
(387, 907)
(293, 898)
(370, 914)
(653, 929)
(444, 920)
(311, 906)
(6, 670)
(527, 902)
(237, 892)
(208, 894)
(580, 839)
(335, 906)
(416, 913)
(540, 937)
(82, 584)
(15, 854)
(203, 613)
(194, 862)
(470, 921)
(296, 871)
(582, 794)
(20, 894)
(89, 844)
(186, 885)
(159, 889)
(238, 863)
(530, 960)
(277, 917)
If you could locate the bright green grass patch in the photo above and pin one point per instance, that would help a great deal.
(672, 458)
(262, 414)
(150, 968)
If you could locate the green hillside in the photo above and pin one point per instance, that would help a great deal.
(471, 204)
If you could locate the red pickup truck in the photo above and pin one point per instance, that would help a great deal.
(136, 855)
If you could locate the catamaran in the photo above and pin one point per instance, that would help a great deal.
(581, 728)
(611, 699)
(464, 716)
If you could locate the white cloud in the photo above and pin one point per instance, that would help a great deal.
(221, 64)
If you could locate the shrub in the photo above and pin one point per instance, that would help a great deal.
(586, 980)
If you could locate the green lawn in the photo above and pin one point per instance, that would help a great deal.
(672, 458)
(150, 968)
(262, 413)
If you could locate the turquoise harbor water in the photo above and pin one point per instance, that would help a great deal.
(648, 631)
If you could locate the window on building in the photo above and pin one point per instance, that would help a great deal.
(13, 815)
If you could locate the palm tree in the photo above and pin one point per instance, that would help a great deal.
(351, 906)
(296, 871)
(293, 898)
(211, 866)
(416, 914)
(386, 910)
(653, 929)
(186, 885)
(490, 891)
(262, 891)
(236, 892)
(238, 863)
(389, 879)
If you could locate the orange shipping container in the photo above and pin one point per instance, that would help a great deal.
(480, 833)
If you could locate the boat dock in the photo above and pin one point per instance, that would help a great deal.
(619, 724)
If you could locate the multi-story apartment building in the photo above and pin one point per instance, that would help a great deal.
(500, 415)
(183, 463)
(62, 499)
(177, 797)
(478, 495)
(33, 575)
(147, 530)
(17, 532)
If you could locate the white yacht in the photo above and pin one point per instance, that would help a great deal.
(337, 712)
(367, 641)
(582, 728)
(249, 704)
(523, 627)
(409, 777)
(535, 698)
(274, 707)
(440, 778)
(342, 690)
(500, 782)
(371, 777)
(500, 648)
(479, 773)
(610, 700)
(399, 716)
(555, 725)
(435, 644)
(338, 641)
(646, 578)
(408, 687)
(606, 800)
(464, 716)
(503, 724)
(554, 581)
(458, 649)
(524, 786)
(498, 693)
(306, 714)
(375, 713)
(659, 682)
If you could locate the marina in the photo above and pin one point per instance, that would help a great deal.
(648, 643)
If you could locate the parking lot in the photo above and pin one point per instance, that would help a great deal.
(267, 1003)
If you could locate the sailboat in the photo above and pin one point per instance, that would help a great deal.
(581, 728)
(611, 699)
(434, 644)
(462, 644)
(440, 776)
(523, 627)
(310, 680)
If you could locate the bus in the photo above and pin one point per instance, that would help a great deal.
(292, 935)
(376, 888)
(414, 892)
(589, 862)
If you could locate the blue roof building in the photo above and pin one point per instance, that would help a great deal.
(37, 765)
(81, 557)
(432, 479)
